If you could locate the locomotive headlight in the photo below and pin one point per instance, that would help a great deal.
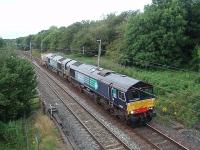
(150, 108)
(132, 112)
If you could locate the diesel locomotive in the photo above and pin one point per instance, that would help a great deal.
(130, 99)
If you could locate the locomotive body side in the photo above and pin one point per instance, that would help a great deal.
(54, 62)
(45, 57)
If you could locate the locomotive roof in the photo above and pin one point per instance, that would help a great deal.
(56, 58)
(66, 61)
(62, 59)
(48, 55)
(119, 81)
(71, 62)
(122, 82)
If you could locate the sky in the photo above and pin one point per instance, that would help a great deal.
(23, 17)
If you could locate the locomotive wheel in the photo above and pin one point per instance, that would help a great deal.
(80, 89)
(149, 118)
(96, 98)
(134, 122)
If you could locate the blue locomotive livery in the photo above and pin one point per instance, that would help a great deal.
(130, 99)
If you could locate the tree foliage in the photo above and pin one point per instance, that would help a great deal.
(17, 87)
(78, 35)
(160, 34)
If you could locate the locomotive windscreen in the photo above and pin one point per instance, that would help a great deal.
(133, 96)
(140, 94)
(146, 93)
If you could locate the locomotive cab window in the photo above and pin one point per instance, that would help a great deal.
(133, 96)
(146, 93)
(114, 93)
(121, 95)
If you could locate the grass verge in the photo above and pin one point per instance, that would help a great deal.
(36, 130)
(47, 135)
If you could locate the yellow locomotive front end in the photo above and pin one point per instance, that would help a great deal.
(141, 104)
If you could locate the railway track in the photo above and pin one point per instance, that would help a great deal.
(156, 138)
(103, 137)
(168, 142)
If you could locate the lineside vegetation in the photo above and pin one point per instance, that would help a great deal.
(17, 92)
(21, 121)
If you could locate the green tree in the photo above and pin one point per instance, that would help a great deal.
(115, 48)
(193, 31)
(158, 34)
(17, 87)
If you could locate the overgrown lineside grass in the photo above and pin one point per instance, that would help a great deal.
(13, 135)
(44, 129)
(9, 132)
(178, 94)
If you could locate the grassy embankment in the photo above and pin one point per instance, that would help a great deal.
(178, 94)
(16, 135)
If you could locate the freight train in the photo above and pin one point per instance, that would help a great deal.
(130, 99)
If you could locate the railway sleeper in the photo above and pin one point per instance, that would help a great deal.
(113, 145)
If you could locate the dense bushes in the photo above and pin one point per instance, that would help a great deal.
(164, 33)
(12, 135)
(17, 86)
(17, 89)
